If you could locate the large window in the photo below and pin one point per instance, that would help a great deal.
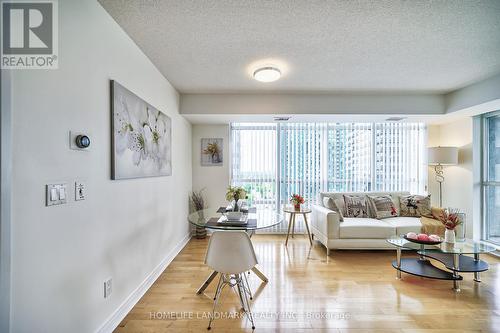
(491, 178)
(273, 161)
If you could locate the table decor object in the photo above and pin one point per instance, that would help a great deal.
(198, 205)
(297, 200)
(423, 238)
(450, 222)
(235, 193)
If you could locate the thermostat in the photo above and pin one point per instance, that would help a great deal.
(82, 141)
(79, 141)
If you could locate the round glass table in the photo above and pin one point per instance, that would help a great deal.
(212, 218)
(255, 219)
(454, 256)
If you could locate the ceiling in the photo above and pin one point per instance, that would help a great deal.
(320, 46)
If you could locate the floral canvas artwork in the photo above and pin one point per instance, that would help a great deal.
(141, 137)
(211, 152)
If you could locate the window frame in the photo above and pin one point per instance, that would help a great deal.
(485, 182)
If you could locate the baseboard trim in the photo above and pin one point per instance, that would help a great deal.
(114, 320)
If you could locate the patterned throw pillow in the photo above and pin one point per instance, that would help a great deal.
(415, 205)
(332, 204)
(383, 206)
(355, 206)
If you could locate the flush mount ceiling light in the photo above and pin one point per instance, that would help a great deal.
(267, 74)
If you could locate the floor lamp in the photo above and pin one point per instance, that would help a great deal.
(439, 157)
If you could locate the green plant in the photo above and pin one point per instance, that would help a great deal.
(235, 193)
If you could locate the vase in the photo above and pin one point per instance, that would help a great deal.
(236, 208)
(449, 236)
(200, 233)
(460, 229)
(297, 207)
(215, 158)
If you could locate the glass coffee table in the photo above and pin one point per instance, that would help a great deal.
(455, 257)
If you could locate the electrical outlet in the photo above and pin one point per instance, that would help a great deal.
(108, 287)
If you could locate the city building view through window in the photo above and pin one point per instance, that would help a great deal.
(272, 161)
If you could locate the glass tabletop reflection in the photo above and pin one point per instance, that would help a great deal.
(467, 246)
(257, 219)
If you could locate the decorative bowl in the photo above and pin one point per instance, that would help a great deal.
(423, 242)
(233, 216)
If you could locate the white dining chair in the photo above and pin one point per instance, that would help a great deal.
(231, 254)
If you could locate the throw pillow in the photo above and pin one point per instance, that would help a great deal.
(383, 206)
(332, 204)
(415, 205)
(355, 206)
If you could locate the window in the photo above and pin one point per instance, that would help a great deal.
(491, 178)
(273, 161)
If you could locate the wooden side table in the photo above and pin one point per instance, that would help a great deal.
(291, 222)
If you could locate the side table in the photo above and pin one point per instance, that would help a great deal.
(291, 223)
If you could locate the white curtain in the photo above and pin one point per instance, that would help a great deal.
(274, 161)
(253, 162)
(400, 157)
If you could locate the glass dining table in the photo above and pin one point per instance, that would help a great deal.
(213, 218)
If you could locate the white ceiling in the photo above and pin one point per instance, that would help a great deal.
(324, 46)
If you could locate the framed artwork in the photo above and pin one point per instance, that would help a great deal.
(211, 152)
(141, 137)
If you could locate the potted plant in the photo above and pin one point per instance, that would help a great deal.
(450, 222)
(198, 205)
(235, 193)
(297, 200)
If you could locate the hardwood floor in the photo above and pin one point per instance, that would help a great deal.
(350, 291)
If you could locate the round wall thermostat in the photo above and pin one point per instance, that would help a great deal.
(82, 141)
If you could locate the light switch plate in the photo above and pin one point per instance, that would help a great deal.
(80, 190)
(55, 194)
(72, 140)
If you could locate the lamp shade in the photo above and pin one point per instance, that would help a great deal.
(443, 155)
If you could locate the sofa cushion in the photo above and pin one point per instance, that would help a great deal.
(340, 195)
(334, 205)
(383, 206)
(415, 205)
(354, 227)
(355, 206)
(405, 224)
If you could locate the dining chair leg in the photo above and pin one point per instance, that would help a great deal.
(220, 286)
(244, 300)
(247, 285)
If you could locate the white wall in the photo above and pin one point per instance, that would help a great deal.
(429, 104)
(458, 184)
(213, 179)
(477, 98)
(62, 254)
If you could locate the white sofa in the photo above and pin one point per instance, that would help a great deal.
(358, 233)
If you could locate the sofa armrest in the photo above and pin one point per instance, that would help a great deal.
(326, 221)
